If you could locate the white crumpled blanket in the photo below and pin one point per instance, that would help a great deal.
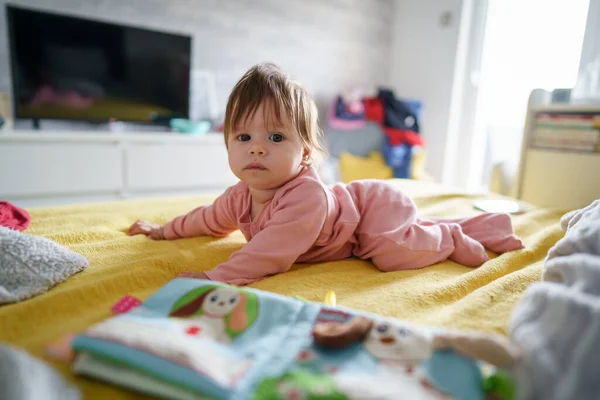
(557, 322)
(24, 377)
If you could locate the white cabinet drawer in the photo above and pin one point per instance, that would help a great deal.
(50, 168)
(162, 166)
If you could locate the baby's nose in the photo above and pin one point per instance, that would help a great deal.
(257, 150)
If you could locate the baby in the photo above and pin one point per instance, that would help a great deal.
(288, 215)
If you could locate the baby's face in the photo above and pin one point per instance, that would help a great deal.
(264, 154)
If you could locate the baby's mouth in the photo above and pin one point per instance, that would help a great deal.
(255, 167)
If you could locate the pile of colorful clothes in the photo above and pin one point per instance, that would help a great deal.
(398, 119)
(347, 111)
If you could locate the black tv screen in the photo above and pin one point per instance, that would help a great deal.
(78, 69)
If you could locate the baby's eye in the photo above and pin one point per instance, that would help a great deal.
(232, 300)
(276, 137)
(403, 332)
(214, 298)
(382, 328)
(244, 137)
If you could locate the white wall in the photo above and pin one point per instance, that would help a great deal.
(423, 66)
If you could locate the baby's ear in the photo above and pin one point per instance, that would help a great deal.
(306, 153)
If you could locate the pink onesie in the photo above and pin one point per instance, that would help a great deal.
(307, 221)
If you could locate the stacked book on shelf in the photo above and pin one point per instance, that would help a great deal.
(567, 131)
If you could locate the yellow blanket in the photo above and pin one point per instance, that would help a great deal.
(446, 294)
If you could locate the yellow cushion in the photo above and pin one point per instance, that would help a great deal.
(355, 167)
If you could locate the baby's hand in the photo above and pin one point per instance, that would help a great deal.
(153, 231)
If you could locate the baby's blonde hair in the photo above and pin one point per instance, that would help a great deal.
(267, 84)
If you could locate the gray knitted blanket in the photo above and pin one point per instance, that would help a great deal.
(557, 321)
(30, 265)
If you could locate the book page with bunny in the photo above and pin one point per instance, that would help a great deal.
(184, 334)
(206, 337)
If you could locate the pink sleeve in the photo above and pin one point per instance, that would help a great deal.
(216, 219)
(292, 230)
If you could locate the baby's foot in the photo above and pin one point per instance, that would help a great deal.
(495, 232)
(467, 251)
(193, 275)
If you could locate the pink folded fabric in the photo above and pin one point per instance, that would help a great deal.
(13, 217)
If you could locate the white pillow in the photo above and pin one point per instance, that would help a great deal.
(30, 265)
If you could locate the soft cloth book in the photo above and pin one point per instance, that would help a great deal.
(197, 339)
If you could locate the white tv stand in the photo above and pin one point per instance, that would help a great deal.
(59, 167)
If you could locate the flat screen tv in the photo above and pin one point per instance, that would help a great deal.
(79, 69)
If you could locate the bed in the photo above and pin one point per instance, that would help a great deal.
(445, 295)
